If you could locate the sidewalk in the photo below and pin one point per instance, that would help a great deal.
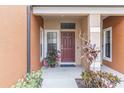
(61, 77)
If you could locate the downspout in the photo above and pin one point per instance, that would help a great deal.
(28, 39)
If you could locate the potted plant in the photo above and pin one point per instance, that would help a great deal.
(52, 57)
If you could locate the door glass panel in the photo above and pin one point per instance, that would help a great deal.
(51, 40)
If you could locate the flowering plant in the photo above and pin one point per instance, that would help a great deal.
(32, 80)
(99, 79)
(53, 56)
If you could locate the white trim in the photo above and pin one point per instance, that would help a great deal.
(78, 10)
(104, 31)
(41, 43)
(101, 41)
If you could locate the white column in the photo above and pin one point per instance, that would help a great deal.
(94, 25)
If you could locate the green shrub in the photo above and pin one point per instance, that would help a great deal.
(32, 80)
(99, 79)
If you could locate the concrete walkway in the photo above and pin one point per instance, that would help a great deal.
(64, 77)
(61, 77)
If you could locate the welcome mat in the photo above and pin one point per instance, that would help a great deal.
(67, 65)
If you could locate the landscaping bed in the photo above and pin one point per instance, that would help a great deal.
(32, 80)
(97, 79)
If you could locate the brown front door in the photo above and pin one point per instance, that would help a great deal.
(68, 46)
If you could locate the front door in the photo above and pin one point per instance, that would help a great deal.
(67, 46)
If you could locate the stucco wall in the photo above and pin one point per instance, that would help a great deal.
(36, 23)
(85, 25)
(85, 34)
(117, 24)
(81, 25)
(13, 44)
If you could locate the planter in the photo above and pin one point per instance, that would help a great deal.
(52, 65)
(52, 57)
(81, 84)
(98, 79)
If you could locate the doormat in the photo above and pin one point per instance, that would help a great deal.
(70, 65)
(80, 83)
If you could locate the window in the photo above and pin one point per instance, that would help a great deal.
(51, 40)
(107, 44)
(67, 25)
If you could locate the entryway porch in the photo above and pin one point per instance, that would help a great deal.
(94, 28)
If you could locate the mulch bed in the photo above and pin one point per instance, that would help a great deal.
(80, 83)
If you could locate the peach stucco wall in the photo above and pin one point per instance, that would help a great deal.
(36, 23)
(117, 24)
(13, 44)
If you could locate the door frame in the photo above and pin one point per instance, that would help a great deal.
(67, 30)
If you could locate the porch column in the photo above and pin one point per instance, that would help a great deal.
(94, 25)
